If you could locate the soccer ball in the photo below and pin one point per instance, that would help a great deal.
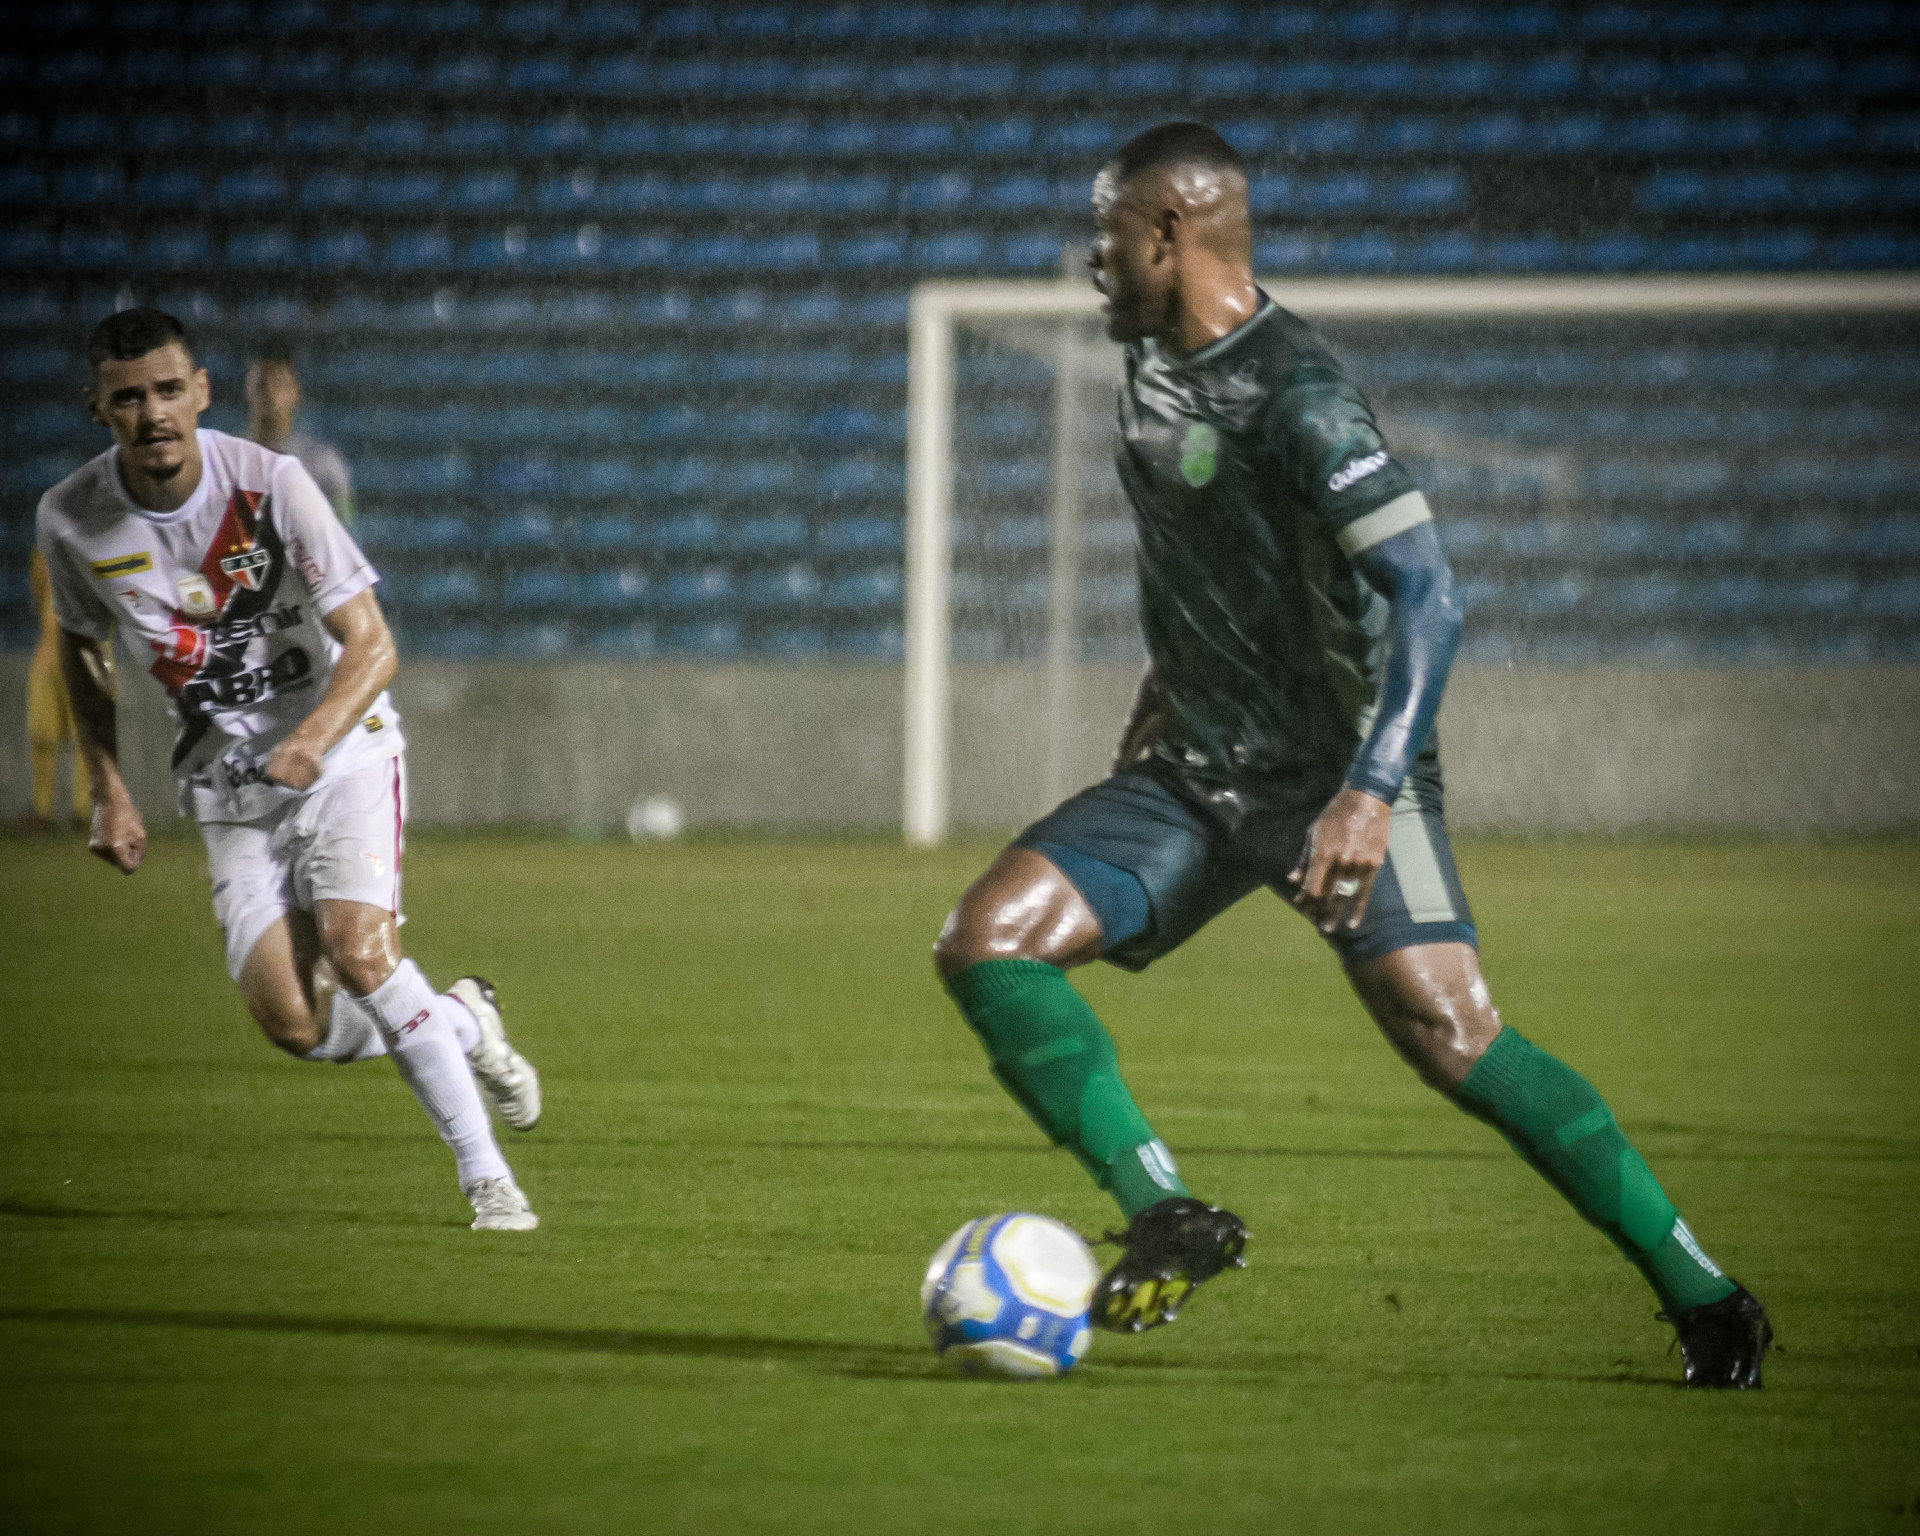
(1008, 1296)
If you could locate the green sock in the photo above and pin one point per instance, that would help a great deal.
(1555, 1120)
(1051, 1052)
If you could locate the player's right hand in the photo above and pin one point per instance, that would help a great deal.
(119, 835)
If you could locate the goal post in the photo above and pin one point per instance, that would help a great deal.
(1055, 325)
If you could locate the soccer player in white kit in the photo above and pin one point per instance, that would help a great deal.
(224, 562)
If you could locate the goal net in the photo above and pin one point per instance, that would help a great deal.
(1639, 470)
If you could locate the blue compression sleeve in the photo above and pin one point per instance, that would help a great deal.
(1423, 631)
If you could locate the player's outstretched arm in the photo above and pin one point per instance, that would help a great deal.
(1146, 720)
(118, 835)
(367, 663)
(1348, 844)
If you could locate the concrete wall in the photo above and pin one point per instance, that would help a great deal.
(1593, 749)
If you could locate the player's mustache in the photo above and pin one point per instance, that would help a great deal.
(157, 436)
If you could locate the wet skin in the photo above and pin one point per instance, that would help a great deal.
(1173, 258)
(1430, 1001)
(152, 404)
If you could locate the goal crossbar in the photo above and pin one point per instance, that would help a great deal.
(936, 307)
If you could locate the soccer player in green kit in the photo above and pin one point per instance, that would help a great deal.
(1300, 620)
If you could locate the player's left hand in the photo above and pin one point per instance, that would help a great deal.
(294, 765)
(1346, 846)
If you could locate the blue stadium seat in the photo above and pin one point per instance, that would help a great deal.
(373, 73)
(624, 588)
(936, 194)
(82, 130)
(605, 23)
(946, 253)
(284, 18)
(787, 587)
(22, 184)
(865, 252)
(604, 478)
(1143, 77)
(606, 533)
(476, 138)
(696, 588)
(412, 531)
(403, 137)
(245, 134)
(329, 189)
(255, 248)
(682, 532)
(483, 191)
(1028, 253)
(443, 17)
(547, 75)
(541, 589)
(337, 251)
(1236, 77)
(302, 72)
(223, 68)
(446, 587)
(318, 135)
(878, 587)
(423, 250)
(773, 532)
(529, 529)
(401, 191)
(468, 73)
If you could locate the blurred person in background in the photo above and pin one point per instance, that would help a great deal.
(50, 712)
(273, 398)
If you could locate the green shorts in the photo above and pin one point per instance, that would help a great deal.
(1157, 858)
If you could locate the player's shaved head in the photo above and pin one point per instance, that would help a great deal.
(1174, 250)
(1189, 168)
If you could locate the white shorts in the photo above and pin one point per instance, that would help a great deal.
(342, 842)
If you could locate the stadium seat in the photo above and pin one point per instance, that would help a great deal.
(302, 72)
(256, 187)
(318, 136)
(476, 138)
(787, 587)
(425, 250)
(399, 137)
(442, 588)
(466, 74)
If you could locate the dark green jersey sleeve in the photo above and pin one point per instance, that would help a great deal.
(1322, 433)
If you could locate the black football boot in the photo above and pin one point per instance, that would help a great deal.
(1170, 1248)
(1725, 1341)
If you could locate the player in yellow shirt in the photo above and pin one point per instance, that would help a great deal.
(50, 712)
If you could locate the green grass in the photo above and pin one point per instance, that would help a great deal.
(237, 1293)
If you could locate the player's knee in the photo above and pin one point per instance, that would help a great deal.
(985, 929)
(362, 953)
(1442, 1043)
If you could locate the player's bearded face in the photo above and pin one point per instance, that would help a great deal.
(152, 404)
(1138, 289)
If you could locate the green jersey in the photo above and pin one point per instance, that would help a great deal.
(1255, 472)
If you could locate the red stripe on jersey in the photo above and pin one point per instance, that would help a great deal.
(399, 835)
(234, 537)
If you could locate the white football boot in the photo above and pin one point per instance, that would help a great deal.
(507, 1076)
(498, 1206)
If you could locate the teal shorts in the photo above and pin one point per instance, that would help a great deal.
(1157, 858)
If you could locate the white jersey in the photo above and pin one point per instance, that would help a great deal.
(225, 597)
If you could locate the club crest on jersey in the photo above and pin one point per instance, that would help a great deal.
(1199, 455)
(248, 568)
(197, 596)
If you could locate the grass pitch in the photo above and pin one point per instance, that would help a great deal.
(237, 1292)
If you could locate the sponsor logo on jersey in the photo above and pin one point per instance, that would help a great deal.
(1356, 470)
(123, 565)
(248, 568)
(1199, 455)
(415, 1022)
(186, 646)
(197, 596)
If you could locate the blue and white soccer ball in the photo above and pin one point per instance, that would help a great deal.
(1009, 1295)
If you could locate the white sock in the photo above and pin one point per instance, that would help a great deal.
(414, 1021)
(353, 1033)
(466, 1027)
